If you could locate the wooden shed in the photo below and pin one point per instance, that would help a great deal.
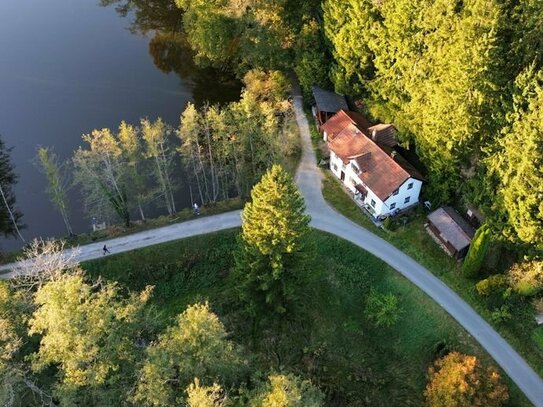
(452, 231)
(327, 103)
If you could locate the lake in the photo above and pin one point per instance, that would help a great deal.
(70, 66)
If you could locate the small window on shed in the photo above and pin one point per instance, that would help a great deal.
(406, 200)
(373, 203)
(410, 185)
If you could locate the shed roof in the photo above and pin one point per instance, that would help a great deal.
(452, 227)
(328, 101)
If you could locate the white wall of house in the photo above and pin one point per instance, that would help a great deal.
(408, 192)
(408, 195)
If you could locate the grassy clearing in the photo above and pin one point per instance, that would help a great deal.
(412, 239)
(329, 339)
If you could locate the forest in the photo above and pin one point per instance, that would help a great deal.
(462, 81)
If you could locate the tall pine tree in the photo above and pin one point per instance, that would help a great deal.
(274, 223)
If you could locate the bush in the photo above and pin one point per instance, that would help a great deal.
(501, 314)
(495, 284)
(526, 278)
(537, 336)
(382, 309)
(387, 223)
(538, 305)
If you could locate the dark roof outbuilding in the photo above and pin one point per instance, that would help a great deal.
(328, 101)
(452, 227)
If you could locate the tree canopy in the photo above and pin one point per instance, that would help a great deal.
(458, 380)
(274, 223)
(10, 217)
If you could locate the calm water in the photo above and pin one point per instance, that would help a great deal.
(69, 66)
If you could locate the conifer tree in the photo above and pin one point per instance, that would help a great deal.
(274, 223)
(477, 252)
(10, 218)
(516, 166)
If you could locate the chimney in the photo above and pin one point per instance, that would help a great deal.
(393, 154)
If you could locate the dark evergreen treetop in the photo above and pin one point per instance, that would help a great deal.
(8, 179)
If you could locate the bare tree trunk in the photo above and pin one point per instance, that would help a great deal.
(214, 191)
(199, 155)
(12, 217)
(65, 218)
(195, 170)
(236, 169)
(163, 185)
(167, 178)
(142, 215)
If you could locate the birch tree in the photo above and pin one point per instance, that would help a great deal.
(99, 173)
(191, 150)
(136, 170)
(157, 147)
(57, 183)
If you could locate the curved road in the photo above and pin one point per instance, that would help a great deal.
(325, 218)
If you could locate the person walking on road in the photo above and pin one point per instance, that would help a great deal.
(196, 208)
(106, 250)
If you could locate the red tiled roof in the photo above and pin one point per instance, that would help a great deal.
(379, 171)
(338, 122)
(383, 134)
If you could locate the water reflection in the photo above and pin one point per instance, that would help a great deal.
(68, 67)
(171, 52)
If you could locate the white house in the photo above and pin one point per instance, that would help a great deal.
(369, 167)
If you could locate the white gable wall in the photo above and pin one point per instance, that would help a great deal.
(403, 193)
(381, 208)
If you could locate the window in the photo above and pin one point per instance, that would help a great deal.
(410, 185)
(392, 205)
(406, 200)
(372, 203)
(396, 192)
(334, 166)
(354, 168)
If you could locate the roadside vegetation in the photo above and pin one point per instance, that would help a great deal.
(235, 318)
(511, 314)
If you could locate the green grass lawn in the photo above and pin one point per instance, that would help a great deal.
(330, 339)
(412, 239)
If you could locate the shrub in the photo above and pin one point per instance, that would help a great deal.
(495, 284)
(382, 309)
(537, 336)
(526, 278)
(387, 223)
(501, 314)
(538, 305)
